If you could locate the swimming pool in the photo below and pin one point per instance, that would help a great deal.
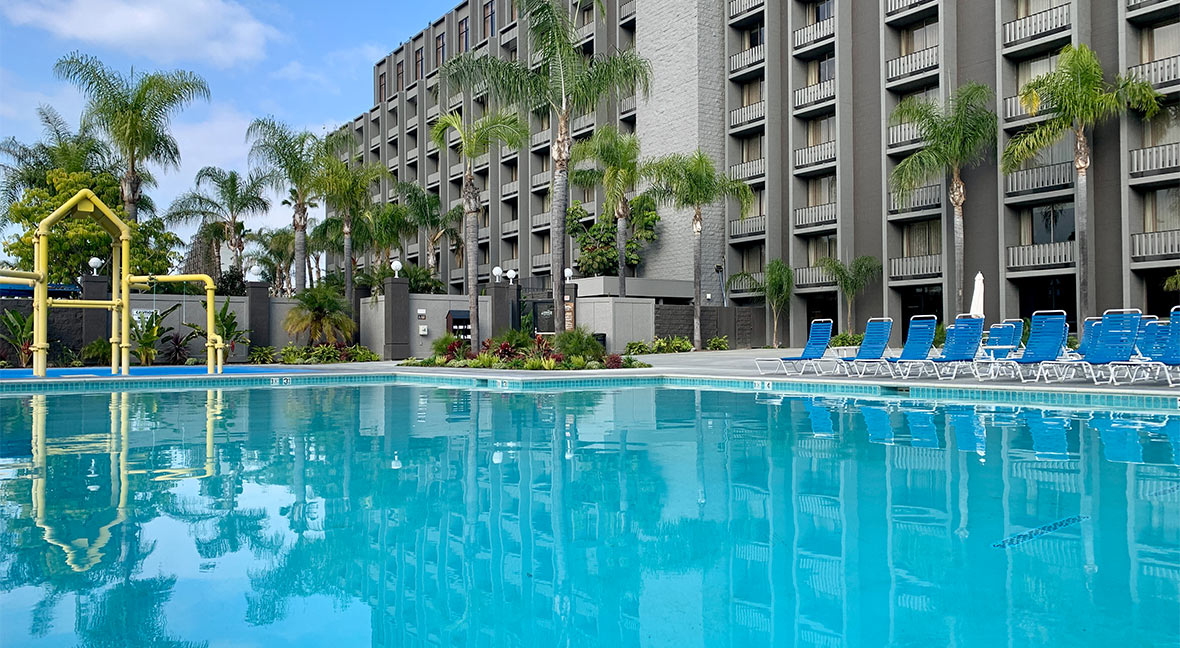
(396, 515)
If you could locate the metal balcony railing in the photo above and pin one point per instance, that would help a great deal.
(1164, 158)
(509, 33)
(912, 64)
(739, 7)
(627, 105)
(510, 227)
(540, 220)
(813, 276)
(433, 178)
(1042, 255)
(929, 265)
(747, 170)
(817, 154)
(747, 58)
(542, 260)
(748, 226)
(457, 274)
(1160, 73)
(903, 134)
(541, 137)
(746, 284)
(1040, 178)
(583, 122)
(1014, 110)
(898, 6)
(484, 233)
(510, 188)
(375, 197)
(483, 269)
(1037, 25)
(928, 197)
(814, 33)
(510, 264)
(627, 10)
(542, 179)
(412, 249)
(815, 215)
(586, 32)
(747, 114)
(455, 100)
(485, 196)
(815, 93)
(1163, 244)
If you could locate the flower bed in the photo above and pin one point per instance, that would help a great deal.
(570, 351)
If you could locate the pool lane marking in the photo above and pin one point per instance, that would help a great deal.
(1033, 534)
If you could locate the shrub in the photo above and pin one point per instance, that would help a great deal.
(97, 352)
(593, 365)
(718, 343)
(576, 362)
(361, 353)
(579, 341)
(261, 355)
(847, 339)
(1071, 342)
(638, 347)
(671, 344)
(613, 361)
(484, 361)
(192, 362)
(175, 349)
(17, 331)
(439, 346)
(534, 364)
(292, 354)
(323, 354)
(632, 363)
(550, 363)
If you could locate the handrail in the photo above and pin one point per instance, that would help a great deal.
(214, 343)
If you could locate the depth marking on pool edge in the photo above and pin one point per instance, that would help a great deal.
(1033, 534)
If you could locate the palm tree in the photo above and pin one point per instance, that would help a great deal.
(1080, 99)
(425, 212)
(852, 278)
(60, 148)
(322, 313)
(475, 139)
(693, 182)
(391, 226)
(566, 82)
(296, 159)
(274, 252)
(959, 135)
(135, 114)
(1172, 283)
(204, 249)
(232, 200)
(616, 168)
(776, 287)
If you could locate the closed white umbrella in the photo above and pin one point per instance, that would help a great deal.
(977, 295)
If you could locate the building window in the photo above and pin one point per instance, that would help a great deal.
(821, 190)
(419, 69)
(919, 36)
(752, 92)
(401, 76)
(751, 148)
(546, 244)
(1047, 224)
(1026, 8)
(821, 247)
(922, 238)
(382, 91)
(513, 11)
(440, 49)
(1161, 210)
(821, 130)
(464, 35)
(1164, 128)
(1028, 70)
(753, 37)
(759, 206)
(1160, 42)
(821, 69)
(753, 259)
(820, 11)
(489, 18)
(512, 248)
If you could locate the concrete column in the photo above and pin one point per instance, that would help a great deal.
(96, 324)
(397, 319)
(501, 298)
(258, 312)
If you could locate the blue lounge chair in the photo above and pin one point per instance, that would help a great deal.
(871, 352)
(1151, 344)
(1144, 337)
(918, 341)
(1046, 339)
(1049, 434)
(962, 343)
(1002, 340)
(818, 337)
(877, 424)
(1018, 324)
(970, 435)
(1089, 334)
(1113, 342)
(1164, 358)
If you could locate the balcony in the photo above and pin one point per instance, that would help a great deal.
(541, 138)
(583, 123)
(482, 161)
(627, 11)
(627, 105)
(412, 249)
(740, 7)
(508, 34)
(1164, 74)
(1155, 160)
(1045, 255)
(749, 226)
(1040, 178)
(586, 32)
(455, 101)
(411, 123)
(483, 234)
(903, 134)
(375, 141)
(747, 114)
(1036, 26)
(540, 221)
(1156, 245)
(898, 6)
(484, 270)
(431, 147)
(510, 227)
(915, 267)
(456, 170)
(920, 199)
(432, 112)
(541, 261)
(912, 65)
(507, 153)
(542, 179)
(510, 188)
(748, 170)
(812, 276)
(816, 93)
(457, 274)
(747, 59)
(391, 134)
(412, 154)
(1015, 111)
(485, 197)
(816, 155)
(747, 284)
(432, 179)
(814, 33)
(375, 197)
(510, 264)
(815, 215)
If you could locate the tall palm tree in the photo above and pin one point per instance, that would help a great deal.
(566, 83)
(60, 148)
(274, 251)
(391, 228)
(616, 167)
(852, 278)
(426, 213)
(233, 198)
(776, 287)
(1080, 99)
(135, 114)
(959, 135)
(693, 182)
(475, 138)
(296, 159)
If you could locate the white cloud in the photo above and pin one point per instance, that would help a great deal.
(220, 32)
(299, 73)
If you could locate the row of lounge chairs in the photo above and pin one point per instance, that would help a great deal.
(1123, 346)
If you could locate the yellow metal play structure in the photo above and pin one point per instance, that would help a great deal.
(85, 203)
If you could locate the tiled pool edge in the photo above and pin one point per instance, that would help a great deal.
(1066, 396)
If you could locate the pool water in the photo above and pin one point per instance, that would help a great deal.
(392, 515)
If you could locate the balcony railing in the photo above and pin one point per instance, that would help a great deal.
(509, 33)
(412, 154)
(586, 32)
(1155, 244)
(510, 227)
(484, 233)
(485, 196)
(747, 114)
(813, 276)
(1162, 73)
(815, 215)
(542, 260)
(375, 141)
(1042, 255)
(747, 283)
(1040, 178)
(541, 137)
(748, 58)
(510, 188)
(412, 249)
(627, 10)
(739, 7)
(747, 170)
(898, 6)
(818, 154)
(457, 274)
(1164, 158)
(456, 169)
(815, 93)
(912, 64)
(814, 33)
(1014, 110)
(432, 112)
(482, 161)
(375, 197)
(391, 134)
(748, 226)
(510, 264)
(540, 220)
(483, 269)
(928, 197)
(627, 105)
(584, 122)
(542, 179)
(432, 178)
(929, 265)
(1037, 25)
(903, 134)
(411, 123)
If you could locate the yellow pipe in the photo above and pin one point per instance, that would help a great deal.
(116, 259)
(18, 281)
(40, 309)
(125, 315)
(214, 344)
(84, 303)
(21, 274)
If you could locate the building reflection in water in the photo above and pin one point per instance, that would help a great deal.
(626, 517)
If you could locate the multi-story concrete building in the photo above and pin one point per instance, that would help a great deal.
(794, 98)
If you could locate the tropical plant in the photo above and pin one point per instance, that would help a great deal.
(321, 314)
(135, 113)
(597, 242)
(1172, 283)
(579, 342)
(565, 82)
(273, 253)
(225, 324)
(60, 148)
(146, 330)
(852, 278)
(175, 351)
(426, 213)
(261, 355)
(97, 352)
(776, 287)
(18, 333)
(1080, 98)
(390, 227)
(693, 182)
(720, 343)
(956, 136)
(422, 282)
(225, 198)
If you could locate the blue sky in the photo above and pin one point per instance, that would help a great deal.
(307, 62)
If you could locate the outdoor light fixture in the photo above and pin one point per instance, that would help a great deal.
(498, 272)
(397, 267)
(569, 274)
(95, 263)
(256, 271)
(511, 276)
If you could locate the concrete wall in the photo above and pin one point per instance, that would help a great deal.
(437, 307)
(372, 317)
(623, 320)
(65, 325)
(192, 310)
(745, 327)
(279, 307)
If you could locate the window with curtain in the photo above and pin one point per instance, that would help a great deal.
(751, 92)
(758, 208)
(1025, 8)
(821, 247)
(464, 35)
(1164, 128)
(546, 202)
(440, 49)
(381, 89)
(1161, 210)
(919, 36)
(753, 37)
(821, 130)
(751, 148)
(401, 76)
(1043, 224)
(546, 244)
(489, 18)
(419, 67)
(820, 11)
(1160, 41)
(512, 249)
(753, 259)
(922, 238)
(821, 190)
(821, 69)
(1028, 70)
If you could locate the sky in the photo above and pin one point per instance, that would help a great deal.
(306, 62)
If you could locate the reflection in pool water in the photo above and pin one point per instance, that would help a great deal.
(405, 516)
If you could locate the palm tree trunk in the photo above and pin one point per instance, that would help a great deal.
(774, 335)
(349, 288)
(310, 274)
(129, 192)
(470, 254)
(216, 250)
(958, 196)
(1082, 223)
(300, 226)
(561, 159)
(697, 226)
(621, 213)
(431, 262)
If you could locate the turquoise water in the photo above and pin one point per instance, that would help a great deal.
(415, 516)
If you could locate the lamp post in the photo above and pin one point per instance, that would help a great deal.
(95, 263)
(397, 267)
(511, 276)
(498, 272)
